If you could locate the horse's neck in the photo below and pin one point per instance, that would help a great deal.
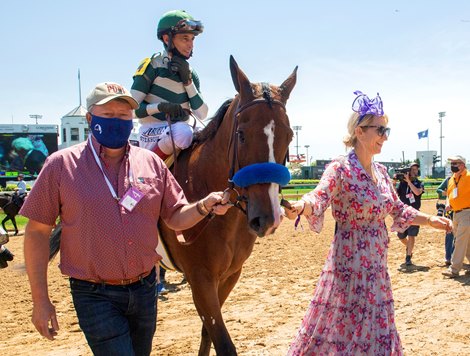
(4, 201)
(205, 168)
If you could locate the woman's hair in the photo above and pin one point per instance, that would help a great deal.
(350, 139)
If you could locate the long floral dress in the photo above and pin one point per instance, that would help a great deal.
(352, 312)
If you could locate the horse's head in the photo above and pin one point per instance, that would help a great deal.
(261, 137)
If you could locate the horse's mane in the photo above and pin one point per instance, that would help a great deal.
(209, 131)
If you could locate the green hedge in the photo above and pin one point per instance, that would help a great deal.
(12, 187)
(427, 181)
(430, 186)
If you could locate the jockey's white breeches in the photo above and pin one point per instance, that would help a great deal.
(158, 133)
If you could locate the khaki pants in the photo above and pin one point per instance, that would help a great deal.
(462, 240)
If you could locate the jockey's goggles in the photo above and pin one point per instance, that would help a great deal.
(188, 26)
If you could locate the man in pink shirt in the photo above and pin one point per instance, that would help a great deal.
(109, 196)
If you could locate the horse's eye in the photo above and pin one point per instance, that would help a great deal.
(241, 136)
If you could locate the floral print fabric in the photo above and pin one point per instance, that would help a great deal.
(352, 312)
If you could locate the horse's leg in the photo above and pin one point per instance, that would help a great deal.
(226, 286)
(205, 296)
(205, 345)
(4, 221)
(13, 220)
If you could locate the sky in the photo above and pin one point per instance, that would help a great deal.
(416, 54)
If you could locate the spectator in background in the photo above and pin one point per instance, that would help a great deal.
(441, 211)
(458, 200)
(20, 191)
(21, 185)
(409, 191)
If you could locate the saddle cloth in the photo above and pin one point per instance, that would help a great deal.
(166, 261)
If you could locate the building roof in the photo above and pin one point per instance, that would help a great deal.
(78, 111)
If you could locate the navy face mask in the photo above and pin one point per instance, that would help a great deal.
(111, 132)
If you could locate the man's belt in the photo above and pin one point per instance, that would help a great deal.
(119, 282)
(458, 211)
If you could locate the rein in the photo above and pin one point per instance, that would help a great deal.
(266, 99)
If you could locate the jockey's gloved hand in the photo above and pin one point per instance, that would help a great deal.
(181, 66)
(179, 118)
(5, 255)
(173, 110)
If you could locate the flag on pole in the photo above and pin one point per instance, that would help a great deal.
(423, 134)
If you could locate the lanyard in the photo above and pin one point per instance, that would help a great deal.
(108, 183)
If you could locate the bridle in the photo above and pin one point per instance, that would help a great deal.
(233, 143)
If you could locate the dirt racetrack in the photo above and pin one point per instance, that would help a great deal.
(266, 307)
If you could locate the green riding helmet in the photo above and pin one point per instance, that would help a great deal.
(178, 21)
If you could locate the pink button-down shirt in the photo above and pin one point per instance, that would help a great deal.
(100, 239)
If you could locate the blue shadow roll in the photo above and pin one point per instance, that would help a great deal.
(262, 173)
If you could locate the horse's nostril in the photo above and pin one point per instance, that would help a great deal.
(255, 224)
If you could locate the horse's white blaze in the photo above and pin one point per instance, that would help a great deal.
(273, 194)
(269, 132)
(274, 188)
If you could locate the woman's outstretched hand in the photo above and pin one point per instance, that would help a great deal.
(441, 223)
(292, 209)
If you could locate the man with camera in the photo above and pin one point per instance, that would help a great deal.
(409, 191)
(458, 200)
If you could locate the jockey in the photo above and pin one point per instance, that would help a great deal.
(166, 87)
(20, 191)
(21, 185)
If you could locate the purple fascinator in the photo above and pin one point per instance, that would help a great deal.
(364, 106)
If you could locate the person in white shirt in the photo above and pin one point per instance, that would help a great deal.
(21, 185)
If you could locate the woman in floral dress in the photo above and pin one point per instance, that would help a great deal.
(351, 312)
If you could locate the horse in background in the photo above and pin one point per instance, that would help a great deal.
(250, 130)
(11, 205)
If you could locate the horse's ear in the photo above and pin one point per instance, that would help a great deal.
(288, 85)
(240, 81)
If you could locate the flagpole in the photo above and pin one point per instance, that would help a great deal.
(79, 89)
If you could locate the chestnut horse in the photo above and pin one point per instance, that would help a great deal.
(250, 129)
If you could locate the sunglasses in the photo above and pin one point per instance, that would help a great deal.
(381, 130)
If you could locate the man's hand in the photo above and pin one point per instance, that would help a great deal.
(174, 111)
(181, 66)
(407, 178)
(217, 203)
(43, 314)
